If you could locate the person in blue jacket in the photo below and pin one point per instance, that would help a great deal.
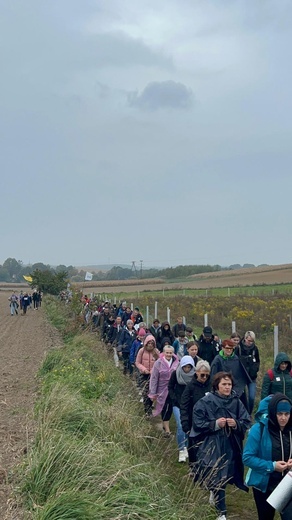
(268, 453)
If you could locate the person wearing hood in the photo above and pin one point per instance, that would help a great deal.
(268, 453)
(220, 421)
(278, 379)
(164, 332)
(199, 386)
(145, 359)
(158, 387)
(248, 353)
(228, 361)
(177, 383)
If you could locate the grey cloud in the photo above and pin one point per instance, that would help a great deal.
(162, 95)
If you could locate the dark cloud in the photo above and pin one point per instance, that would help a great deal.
(162, 95)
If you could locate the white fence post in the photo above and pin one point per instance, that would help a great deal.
(132, 306)
(168, 314)
(233, 326)
(184, 320)
(155, 310)
(205, 320)
(276, 341)
(147, 315)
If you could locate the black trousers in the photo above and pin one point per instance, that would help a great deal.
(267, 512)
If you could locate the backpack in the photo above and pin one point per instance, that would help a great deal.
(271, 374)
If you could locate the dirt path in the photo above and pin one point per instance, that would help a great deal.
(23, 343)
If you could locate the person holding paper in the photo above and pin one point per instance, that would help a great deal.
(268, 453)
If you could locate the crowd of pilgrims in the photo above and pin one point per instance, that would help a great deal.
(209, 386)
(23, 301)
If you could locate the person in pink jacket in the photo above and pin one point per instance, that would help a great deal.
(158, 387)
(146, 357)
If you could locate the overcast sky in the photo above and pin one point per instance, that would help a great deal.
(154, 130)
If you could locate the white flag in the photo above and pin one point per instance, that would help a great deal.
(88, 277)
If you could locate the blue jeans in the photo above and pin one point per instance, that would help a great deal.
(251, 387)
(181, 437)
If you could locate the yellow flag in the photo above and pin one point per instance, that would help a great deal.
(27, 278)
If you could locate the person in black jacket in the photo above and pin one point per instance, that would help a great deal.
(177, 383)
(178, 327)
(248, 353)
(208, 347)
(164, 333)
(197, 388)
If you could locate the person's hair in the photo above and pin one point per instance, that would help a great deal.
(189, 329)
(235, 335)
(202, 365)
(142, 325)
(191, 344)
(218, 377)
(250, 333)
(129, 321)
(168, 346)
(156, 321)
(227, 343)
(181, 333)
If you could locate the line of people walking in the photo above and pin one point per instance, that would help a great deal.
(209, 386)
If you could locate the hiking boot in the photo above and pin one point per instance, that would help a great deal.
(186, 453)
(221, 517)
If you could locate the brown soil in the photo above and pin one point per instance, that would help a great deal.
(24, 342)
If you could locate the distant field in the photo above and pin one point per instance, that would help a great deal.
(256, 280)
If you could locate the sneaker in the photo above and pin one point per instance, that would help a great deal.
(181, 456)
(212, 499)
(186, 453)
(221, 517)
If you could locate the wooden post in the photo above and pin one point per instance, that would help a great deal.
(276, 341)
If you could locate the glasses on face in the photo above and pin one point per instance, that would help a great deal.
(203, 376)
(228, 348)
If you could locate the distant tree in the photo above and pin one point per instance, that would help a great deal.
(48, 281)
(40, 267)
(4, 275)
(13, 267)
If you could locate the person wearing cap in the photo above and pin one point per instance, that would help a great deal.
(228, 361)
(268, 453)
(177, 383)
(208, 348)
(199, 386)
(278, 379)
(146, 357)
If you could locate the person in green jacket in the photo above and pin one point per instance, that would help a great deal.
(278, 379)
